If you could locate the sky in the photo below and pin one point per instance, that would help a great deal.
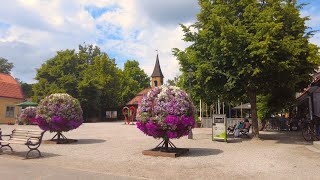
(32, 31)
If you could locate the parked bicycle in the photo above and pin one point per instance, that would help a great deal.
(310, 130)
(272, 125)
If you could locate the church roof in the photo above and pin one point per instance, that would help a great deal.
(157, 70)
(139, 96)
(9, 87)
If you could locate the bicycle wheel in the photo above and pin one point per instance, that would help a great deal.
(307, 133)
(315, 133)
(267, 126)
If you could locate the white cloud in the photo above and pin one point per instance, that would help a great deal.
(128, 29)
(131, 30)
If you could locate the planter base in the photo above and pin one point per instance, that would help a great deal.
(59, 138)
(165, 149)
(171, 152)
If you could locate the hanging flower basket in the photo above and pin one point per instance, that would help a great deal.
(59, 113)
(166, 112)
(28, 115)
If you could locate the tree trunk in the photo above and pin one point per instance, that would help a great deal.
(263, 123)
(253, 101)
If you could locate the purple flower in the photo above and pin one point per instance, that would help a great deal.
(59, 112)
(165, 112)
(172, 135)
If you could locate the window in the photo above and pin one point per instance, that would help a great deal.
(10, 112)
(155, 83)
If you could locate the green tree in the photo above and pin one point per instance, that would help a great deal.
(248, 48)
(88, 75)
(5, 66)
(26, 89)
(99, 89)
(61, 74)
(134, 80)
(174, 81)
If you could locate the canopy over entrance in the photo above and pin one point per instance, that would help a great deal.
(243, 106)
(27, 103)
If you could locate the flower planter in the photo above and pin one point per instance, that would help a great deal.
(59, 113)
(166, 113)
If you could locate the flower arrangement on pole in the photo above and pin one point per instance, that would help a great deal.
(166, 112)
(59, 113)
(28, 115)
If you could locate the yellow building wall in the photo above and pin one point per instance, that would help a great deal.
(4, 102)
(158, 79)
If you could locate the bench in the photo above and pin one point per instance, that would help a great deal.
(242, 131)
(245, 131)
(31, 138)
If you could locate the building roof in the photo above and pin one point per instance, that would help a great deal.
(157, 70)
(310, 89)
(137, 99)
(9, 87)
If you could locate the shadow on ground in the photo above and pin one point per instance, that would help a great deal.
(284, 137)
(90, 141)
(196, 152)
(22, 154)
(75, 141)
(241, 138)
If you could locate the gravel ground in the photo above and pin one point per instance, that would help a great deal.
(114, 148)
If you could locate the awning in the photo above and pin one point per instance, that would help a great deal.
(243, 106)
(27, 103)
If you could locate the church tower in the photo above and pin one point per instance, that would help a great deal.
(157, 76)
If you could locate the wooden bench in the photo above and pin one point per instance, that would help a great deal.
(31, 138)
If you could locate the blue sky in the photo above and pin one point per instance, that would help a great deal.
(32, 31)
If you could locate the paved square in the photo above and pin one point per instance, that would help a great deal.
(114, 151)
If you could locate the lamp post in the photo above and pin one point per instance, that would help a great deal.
(190, 71)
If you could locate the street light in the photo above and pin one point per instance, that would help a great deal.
(190, 71)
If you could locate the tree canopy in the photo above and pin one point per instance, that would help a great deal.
(134, 80)
(5, 66)
(92, 77)
(248, 48)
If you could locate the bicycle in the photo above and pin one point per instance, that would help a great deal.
(310, 130)
(272, 124)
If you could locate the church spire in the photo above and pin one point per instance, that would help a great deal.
(157, 76)
(157, 70)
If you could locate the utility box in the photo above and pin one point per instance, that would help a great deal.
(219, 127)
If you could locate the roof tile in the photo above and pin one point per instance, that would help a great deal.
(9, 87)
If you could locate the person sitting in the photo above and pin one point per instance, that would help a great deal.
(242, 127)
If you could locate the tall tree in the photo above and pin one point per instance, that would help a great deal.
(59, 74)
(174, 81)
(134, 80)
(26, 89)
(88, 75)
(249, 47)
(5, 66)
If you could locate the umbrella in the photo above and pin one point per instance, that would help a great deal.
(243, 106)
(27, 103)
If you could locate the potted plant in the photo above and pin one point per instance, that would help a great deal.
(166, 112)
(59, 113)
